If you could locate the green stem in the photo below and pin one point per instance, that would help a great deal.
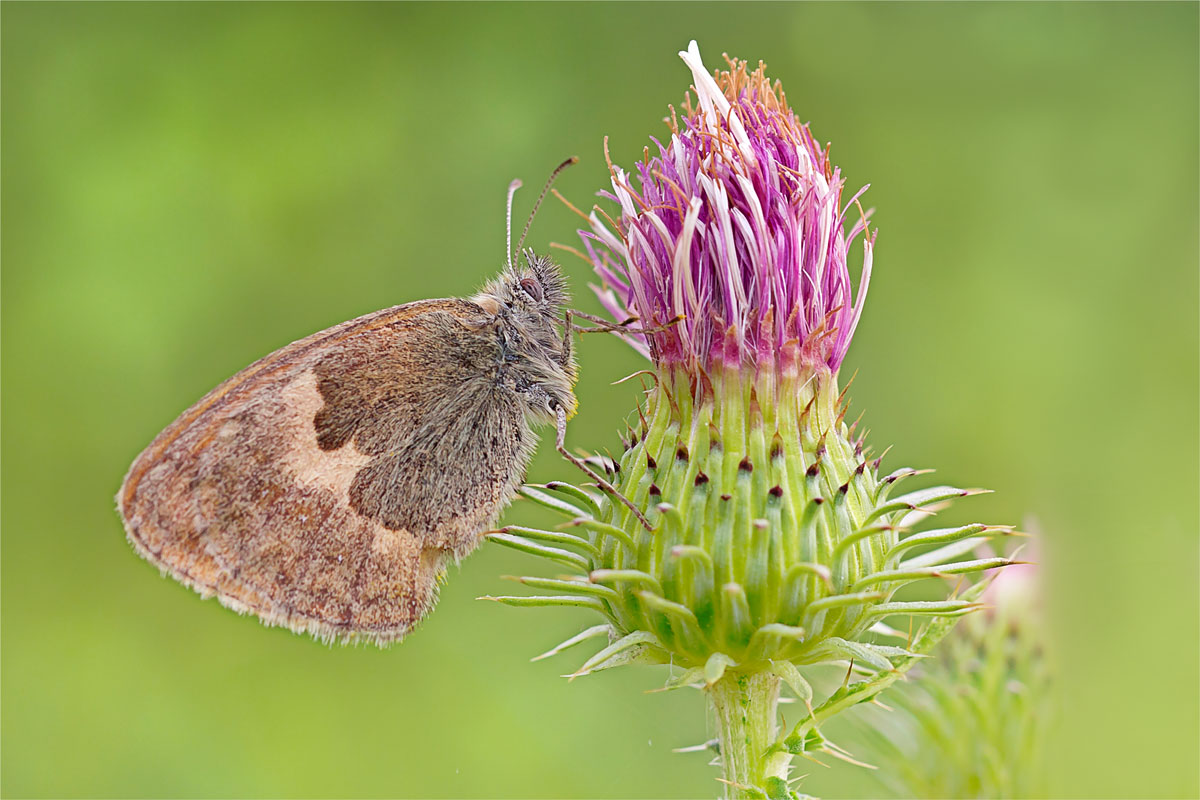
(745, 710)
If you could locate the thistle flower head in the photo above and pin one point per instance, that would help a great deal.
(745, 531)
(737, 226)
(764, 530)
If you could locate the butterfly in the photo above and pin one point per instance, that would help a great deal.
(326, 487)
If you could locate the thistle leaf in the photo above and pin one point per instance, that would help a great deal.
(856, 537)
(936, 536)
(841, 601)
(889, 481)
(938, 608)
(693, 553)
(553, 553)
(581, 496)
(579, 638)
(922, 498)
(787, 671)
(857, 651)
(908, 575)
(887, 630)
(631, 576)
(560, 585)
(604, 529)
(552, 503)
(676, 610)
(714, 668)
(943, 554)
(807, 568)
(553, 537)
(532, 601)
(683, 680)
(890, 652)
(936, 494)
(773, 631)
(635, 648)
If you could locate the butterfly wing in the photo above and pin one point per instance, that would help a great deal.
(325, 486)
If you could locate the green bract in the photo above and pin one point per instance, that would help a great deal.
(774, 543)
(773, 536)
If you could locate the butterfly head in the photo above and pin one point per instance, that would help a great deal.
(527, 291)
(528, 301)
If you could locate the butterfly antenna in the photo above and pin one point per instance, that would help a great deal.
(542, 196)
(512, 189)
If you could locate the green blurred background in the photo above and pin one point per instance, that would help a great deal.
(189, 186)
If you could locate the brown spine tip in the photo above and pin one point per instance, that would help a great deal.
(813, 471)
(701, 479)
(650, 462)
(745, 465)
(682, 453)
(714, 438)
(861, 468)
(776, 491)
(818, 500)
(845, 487)
(726, 497)
(655, 491)
(776, 448)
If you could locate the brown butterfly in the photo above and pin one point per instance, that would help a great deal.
(326, 487)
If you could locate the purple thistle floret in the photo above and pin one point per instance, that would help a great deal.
(737, 229)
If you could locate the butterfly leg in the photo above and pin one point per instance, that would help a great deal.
(561, 445)
(568, 328)
(606, 326)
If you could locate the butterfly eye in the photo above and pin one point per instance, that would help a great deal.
(532, 288)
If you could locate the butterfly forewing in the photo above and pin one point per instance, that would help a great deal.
(325, 486)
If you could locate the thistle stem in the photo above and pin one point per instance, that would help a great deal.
(745, 710)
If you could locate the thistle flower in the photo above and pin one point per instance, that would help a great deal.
(767, 538)
(737, 231)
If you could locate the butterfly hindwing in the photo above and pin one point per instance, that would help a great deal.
(325, 486)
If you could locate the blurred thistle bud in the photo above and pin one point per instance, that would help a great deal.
(767, 538)
(973, 720)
